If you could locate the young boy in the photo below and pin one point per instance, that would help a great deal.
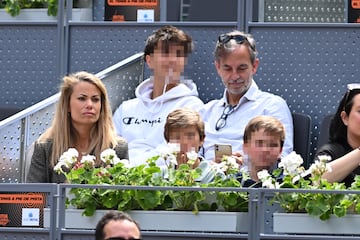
(141, 120)
(185, 127)
(264, 138)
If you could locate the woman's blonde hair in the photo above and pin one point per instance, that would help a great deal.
(61, 132)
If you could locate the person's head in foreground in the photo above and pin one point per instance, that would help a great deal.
(115, 225)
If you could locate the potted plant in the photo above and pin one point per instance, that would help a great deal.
(308, 210)
(212, 211)
(13, 7)
(42, 9)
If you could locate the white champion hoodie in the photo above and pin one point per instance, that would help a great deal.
(141, 120)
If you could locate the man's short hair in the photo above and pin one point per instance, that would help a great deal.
(111, 216)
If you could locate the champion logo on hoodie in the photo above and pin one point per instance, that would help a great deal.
(137, 121)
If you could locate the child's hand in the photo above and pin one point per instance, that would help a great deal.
(182, 159)
(238, 157)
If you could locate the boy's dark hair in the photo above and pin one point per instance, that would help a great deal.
(168, 35)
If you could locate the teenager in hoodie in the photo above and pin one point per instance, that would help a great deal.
(141, 120)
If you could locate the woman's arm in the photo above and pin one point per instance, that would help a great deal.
(343, 166)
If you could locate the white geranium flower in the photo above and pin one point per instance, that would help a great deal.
(268, 183)
(125, 162)
(58, 167)
(192, 156)
(171, 159)
(222, 166)
(108, 156)
(168, 153)
(267, 180)
(164, 151)
(88, 160)
(319, 167)
(263, 175)
(228, 164)
(231, 162)
(69, 158)
(291, 163)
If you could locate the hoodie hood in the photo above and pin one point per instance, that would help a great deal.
(144, 90)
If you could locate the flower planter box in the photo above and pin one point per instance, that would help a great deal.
(40, 14)
(164, 220)
(303, 223)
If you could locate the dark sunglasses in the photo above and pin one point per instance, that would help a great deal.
(240, 39)
(350, 87)
(221, 122)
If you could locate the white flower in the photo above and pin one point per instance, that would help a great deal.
(192, 156)
(171, 160)
(324, 158)
(222, 166)
(319, 167)
(231, 162)
(228, 164)
(58, 167)
(108, 156)
(125, 162)
(267, 180)
(263, 175)
(269, 183)
(291, 163)
(168, 153)
(88, 160)
(69, 157)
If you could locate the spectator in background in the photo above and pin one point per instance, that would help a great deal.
(82, 121)
(141, 120)
(344, 139)
(263, 142)
(116, 225)
(225, 119)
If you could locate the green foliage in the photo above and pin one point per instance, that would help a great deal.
(149, 175)
(231, 201)
(322, 205)
(13, 7)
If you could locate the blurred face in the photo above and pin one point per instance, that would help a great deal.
(167, 63)
(236, 70)
(121, 229)
(353, 121)
(188, 138)
(263, 150)
(85, 104)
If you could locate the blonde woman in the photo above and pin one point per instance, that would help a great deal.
(83, 120)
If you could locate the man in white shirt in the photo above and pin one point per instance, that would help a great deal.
(225, 119)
